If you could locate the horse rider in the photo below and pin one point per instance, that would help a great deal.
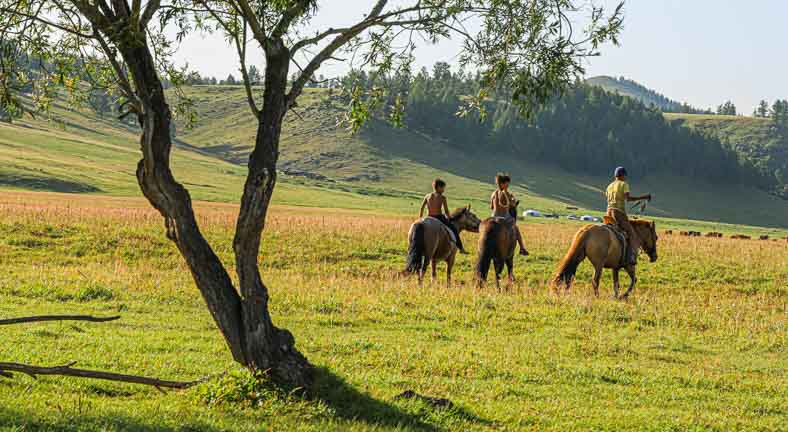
(503, 203)
(438, 207)
(617, 198)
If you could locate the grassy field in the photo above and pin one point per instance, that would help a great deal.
(701, 346)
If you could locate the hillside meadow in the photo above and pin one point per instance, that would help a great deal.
(700, 346)
(381, 169)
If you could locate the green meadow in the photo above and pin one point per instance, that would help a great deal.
(700, 346)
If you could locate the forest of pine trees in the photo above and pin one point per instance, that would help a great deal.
(587, 130)
(778, 112)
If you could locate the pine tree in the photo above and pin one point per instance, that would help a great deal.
(254, 75)
(762, 110)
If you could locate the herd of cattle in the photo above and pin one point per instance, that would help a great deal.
(719, 235)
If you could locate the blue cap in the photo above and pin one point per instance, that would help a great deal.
(620, 171)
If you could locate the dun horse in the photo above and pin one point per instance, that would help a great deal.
(602, 247)
(429, 241)
(497, 241)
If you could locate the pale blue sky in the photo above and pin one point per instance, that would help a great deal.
(698, 51)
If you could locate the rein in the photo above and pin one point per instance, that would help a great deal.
(641, 206)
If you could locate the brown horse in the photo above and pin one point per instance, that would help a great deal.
(497, 242)
(601, 246)
(429, 241)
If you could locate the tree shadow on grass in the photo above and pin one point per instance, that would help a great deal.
(352, 405)
(45, 184)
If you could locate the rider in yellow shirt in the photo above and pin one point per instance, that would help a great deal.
(617, 198)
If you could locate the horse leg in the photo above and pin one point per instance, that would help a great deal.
(449, 265)
(434, 270)
(597, 276)
(510, 270)
(631, 272)
(498, 263)
(615, 282)
(423, 270)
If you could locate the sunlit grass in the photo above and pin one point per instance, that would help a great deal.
(700, 346)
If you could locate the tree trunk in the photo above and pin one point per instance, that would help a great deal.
(266, 347)
(243, 319)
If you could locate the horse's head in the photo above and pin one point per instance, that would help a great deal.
(465, 220)
(647, 232)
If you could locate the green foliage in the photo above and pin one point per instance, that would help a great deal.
(762, 110)
(585, 130)
(238, 387)
(779, 113)
(727, 108)
(757, 141)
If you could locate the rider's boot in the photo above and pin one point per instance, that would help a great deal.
(519, 236)
(459, 244)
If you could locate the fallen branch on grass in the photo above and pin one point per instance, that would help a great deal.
(40, 318)
(8, 369)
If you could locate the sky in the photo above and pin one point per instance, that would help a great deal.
(703, 52)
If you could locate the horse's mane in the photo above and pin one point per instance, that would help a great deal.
(457, 213)
(641, 222)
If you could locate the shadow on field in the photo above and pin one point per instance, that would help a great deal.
(352, 405)
(24, 421)
(45, 184)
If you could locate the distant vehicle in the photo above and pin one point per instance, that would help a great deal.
(532, 213)
(551, 215)
(589, 218)
(573, 217)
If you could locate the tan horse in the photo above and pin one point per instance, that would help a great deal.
(601, 246)
(429, 241)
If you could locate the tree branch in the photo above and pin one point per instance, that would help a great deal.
(7, 370)
(150, 10)
(254, 22)
(46, 22)
(290, 15)
(40, 318)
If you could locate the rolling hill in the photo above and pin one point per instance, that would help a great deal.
(382, 168)
(635, 90)
(757, 140)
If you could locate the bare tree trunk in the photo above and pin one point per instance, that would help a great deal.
(243, 319)
(266, 346)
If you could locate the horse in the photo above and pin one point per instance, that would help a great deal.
(429, 241)
(601, 246)
(497, 241)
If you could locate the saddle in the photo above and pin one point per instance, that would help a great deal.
(445, 228)
(621, 235)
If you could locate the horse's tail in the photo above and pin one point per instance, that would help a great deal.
(487, 244)
(416, 249)
(574, 256)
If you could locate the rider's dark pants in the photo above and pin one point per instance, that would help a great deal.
(445, 220)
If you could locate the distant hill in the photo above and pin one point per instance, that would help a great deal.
(756, 140)
(635, 90)
(382, 168)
